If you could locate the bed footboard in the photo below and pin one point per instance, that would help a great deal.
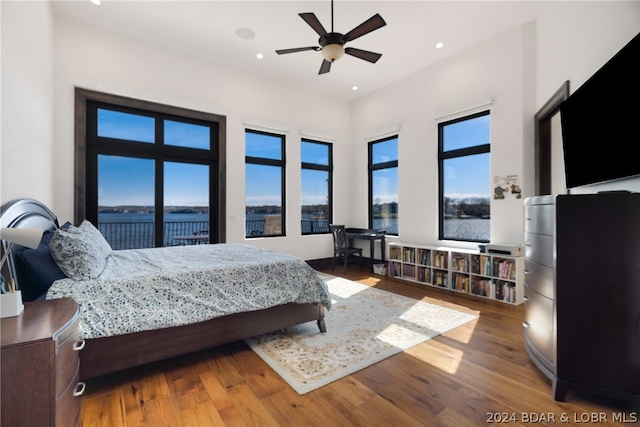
(105, 355)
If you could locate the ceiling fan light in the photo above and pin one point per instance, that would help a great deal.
(332, 52)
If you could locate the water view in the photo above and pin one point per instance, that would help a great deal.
(136, 230)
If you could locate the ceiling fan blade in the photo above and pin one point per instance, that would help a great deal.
(366, 27)
(325, 67)
(312, 20)
(363, 54)
(296, 49)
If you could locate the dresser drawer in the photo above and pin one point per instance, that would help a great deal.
(68, 404)
(539, 324)
(540, 249)
(540, 219)
(67, 358)
(540, 278)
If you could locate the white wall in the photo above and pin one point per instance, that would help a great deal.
(43, 58)
(96, 59)
(492, 72)
(26, 136)
(574, 41)
(518, 71)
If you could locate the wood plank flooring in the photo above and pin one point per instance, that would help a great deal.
(461, 378)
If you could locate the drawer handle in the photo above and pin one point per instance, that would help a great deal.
(525, 271)
(80, 387)
(79, 345)
(525, 298)
(526, 325)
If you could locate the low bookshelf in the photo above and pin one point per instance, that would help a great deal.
(493, 276)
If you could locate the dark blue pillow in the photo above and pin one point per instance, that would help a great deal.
(38, 268)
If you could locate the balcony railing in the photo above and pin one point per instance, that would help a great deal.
(254, 227)
(138, 235)
(311, 226)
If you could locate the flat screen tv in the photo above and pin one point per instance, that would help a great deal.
(601, 122)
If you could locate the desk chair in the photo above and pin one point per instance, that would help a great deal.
(342, 249)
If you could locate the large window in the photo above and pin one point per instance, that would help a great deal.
(383, 185)
(316, 185)
(149, 174)
(264, 184)
(465, 182)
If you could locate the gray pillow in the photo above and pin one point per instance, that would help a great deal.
(80, 252)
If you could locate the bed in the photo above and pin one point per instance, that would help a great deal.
(147, 305)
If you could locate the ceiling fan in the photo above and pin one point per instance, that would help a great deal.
(332, 44)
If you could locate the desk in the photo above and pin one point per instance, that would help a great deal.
(367, 234)
(193, 239)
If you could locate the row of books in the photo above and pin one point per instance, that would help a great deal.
(505, 269)
(423, 256)
(441, 278)
(481, 264)
(395, 252)
(477, 264)
(482, 287)
(395, 269)
(440, 259)
(460, 262)
(505, 291)
(500, 290)
(408, 254)
(460, 282)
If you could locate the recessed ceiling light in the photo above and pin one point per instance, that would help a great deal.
(96, 2)
(354, 87)
(439, 45)
(245, 33)
(259, 56)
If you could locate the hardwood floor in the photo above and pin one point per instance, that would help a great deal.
(462, 378)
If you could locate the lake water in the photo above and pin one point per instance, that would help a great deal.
(138, 227)
(472, 229)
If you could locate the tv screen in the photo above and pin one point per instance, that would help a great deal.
(601, 122)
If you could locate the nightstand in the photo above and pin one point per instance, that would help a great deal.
(40, 365)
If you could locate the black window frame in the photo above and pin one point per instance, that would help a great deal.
(452, 154)
(379, 166)
(271, 162)
(88, 146)
(326, 168)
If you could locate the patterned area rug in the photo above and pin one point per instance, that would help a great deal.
(364, 326)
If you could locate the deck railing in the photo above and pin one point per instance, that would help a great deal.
(138, 235)
(311, 226)
(254, 227)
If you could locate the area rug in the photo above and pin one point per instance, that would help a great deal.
(364, 326)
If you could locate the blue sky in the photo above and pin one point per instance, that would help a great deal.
(462, 175)
(129, 181)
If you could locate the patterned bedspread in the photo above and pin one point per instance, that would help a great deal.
(144, 289)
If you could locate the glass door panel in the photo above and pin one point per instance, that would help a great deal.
(125, 201)
(186, 204)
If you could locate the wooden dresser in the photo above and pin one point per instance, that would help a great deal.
(582, 292)
(40, 365)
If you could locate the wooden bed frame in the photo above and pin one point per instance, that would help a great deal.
(101, 356)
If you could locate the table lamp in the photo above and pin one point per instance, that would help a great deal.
(11, 298)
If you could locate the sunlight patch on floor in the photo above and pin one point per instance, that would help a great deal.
(447, 361)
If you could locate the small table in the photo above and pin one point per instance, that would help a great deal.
(367, 234)
(193, 239)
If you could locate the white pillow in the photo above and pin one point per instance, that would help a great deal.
(80, 252)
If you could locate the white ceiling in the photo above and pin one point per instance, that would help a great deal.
(407, 43)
